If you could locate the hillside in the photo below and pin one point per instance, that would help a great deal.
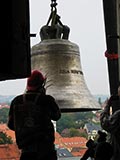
(7, 99)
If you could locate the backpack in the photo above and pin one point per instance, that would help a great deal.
(31, 123)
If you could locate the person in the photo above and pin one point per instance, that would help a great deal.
(30, 116)
(110, 121)
(104, 149)
(90, 152)
(98, 149)
(102, 136)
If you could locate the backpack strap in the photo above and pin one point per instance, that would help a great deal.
(29, 107)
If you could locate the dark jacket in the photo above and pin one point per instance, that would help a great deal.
(33, 124)
(111, 123)
(103, 151)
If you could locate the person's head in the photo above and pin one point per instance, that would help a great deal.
(36, 81)
(101, 136)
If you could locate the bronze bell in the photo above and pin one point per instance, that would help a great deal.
(59, 59)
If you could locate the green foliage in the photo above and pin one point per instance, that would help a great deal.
(73, 132)
(4, 139)
(4, 115)
(84, 116)
(66, 121)
(84, 134)
(74, 120)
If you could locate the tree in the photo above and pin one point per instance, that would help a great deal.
(4, 139)
(74, 120)
(74, 132)
(4, 115)
(66, 121)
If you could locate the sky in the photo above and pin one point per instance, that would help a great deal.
(86, 21)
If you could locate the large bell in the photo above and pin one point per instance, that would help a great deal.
(59, 60)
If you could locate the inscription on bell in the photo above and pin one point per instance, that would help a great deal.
(63, 71)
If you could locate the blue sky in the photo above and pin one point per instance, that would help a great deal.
(86, 22)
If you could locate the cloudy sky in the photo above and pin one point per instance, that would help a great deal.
(86, 21)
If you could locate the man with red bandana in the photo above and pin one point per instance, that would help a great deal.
(30, 117)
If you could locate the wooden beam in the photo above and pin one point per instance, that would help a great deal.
(111, 31)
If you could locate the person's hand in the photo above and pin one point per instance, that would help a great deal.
(106, 105)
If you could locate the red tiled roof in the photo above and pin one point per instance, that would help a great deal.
(57, 135)
(60, 142)
(3, 127)
(69, 143)
(9, 151)
(74, 141)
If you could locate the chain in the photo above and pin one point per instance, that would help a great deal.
(53, 4)
(53, 12)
